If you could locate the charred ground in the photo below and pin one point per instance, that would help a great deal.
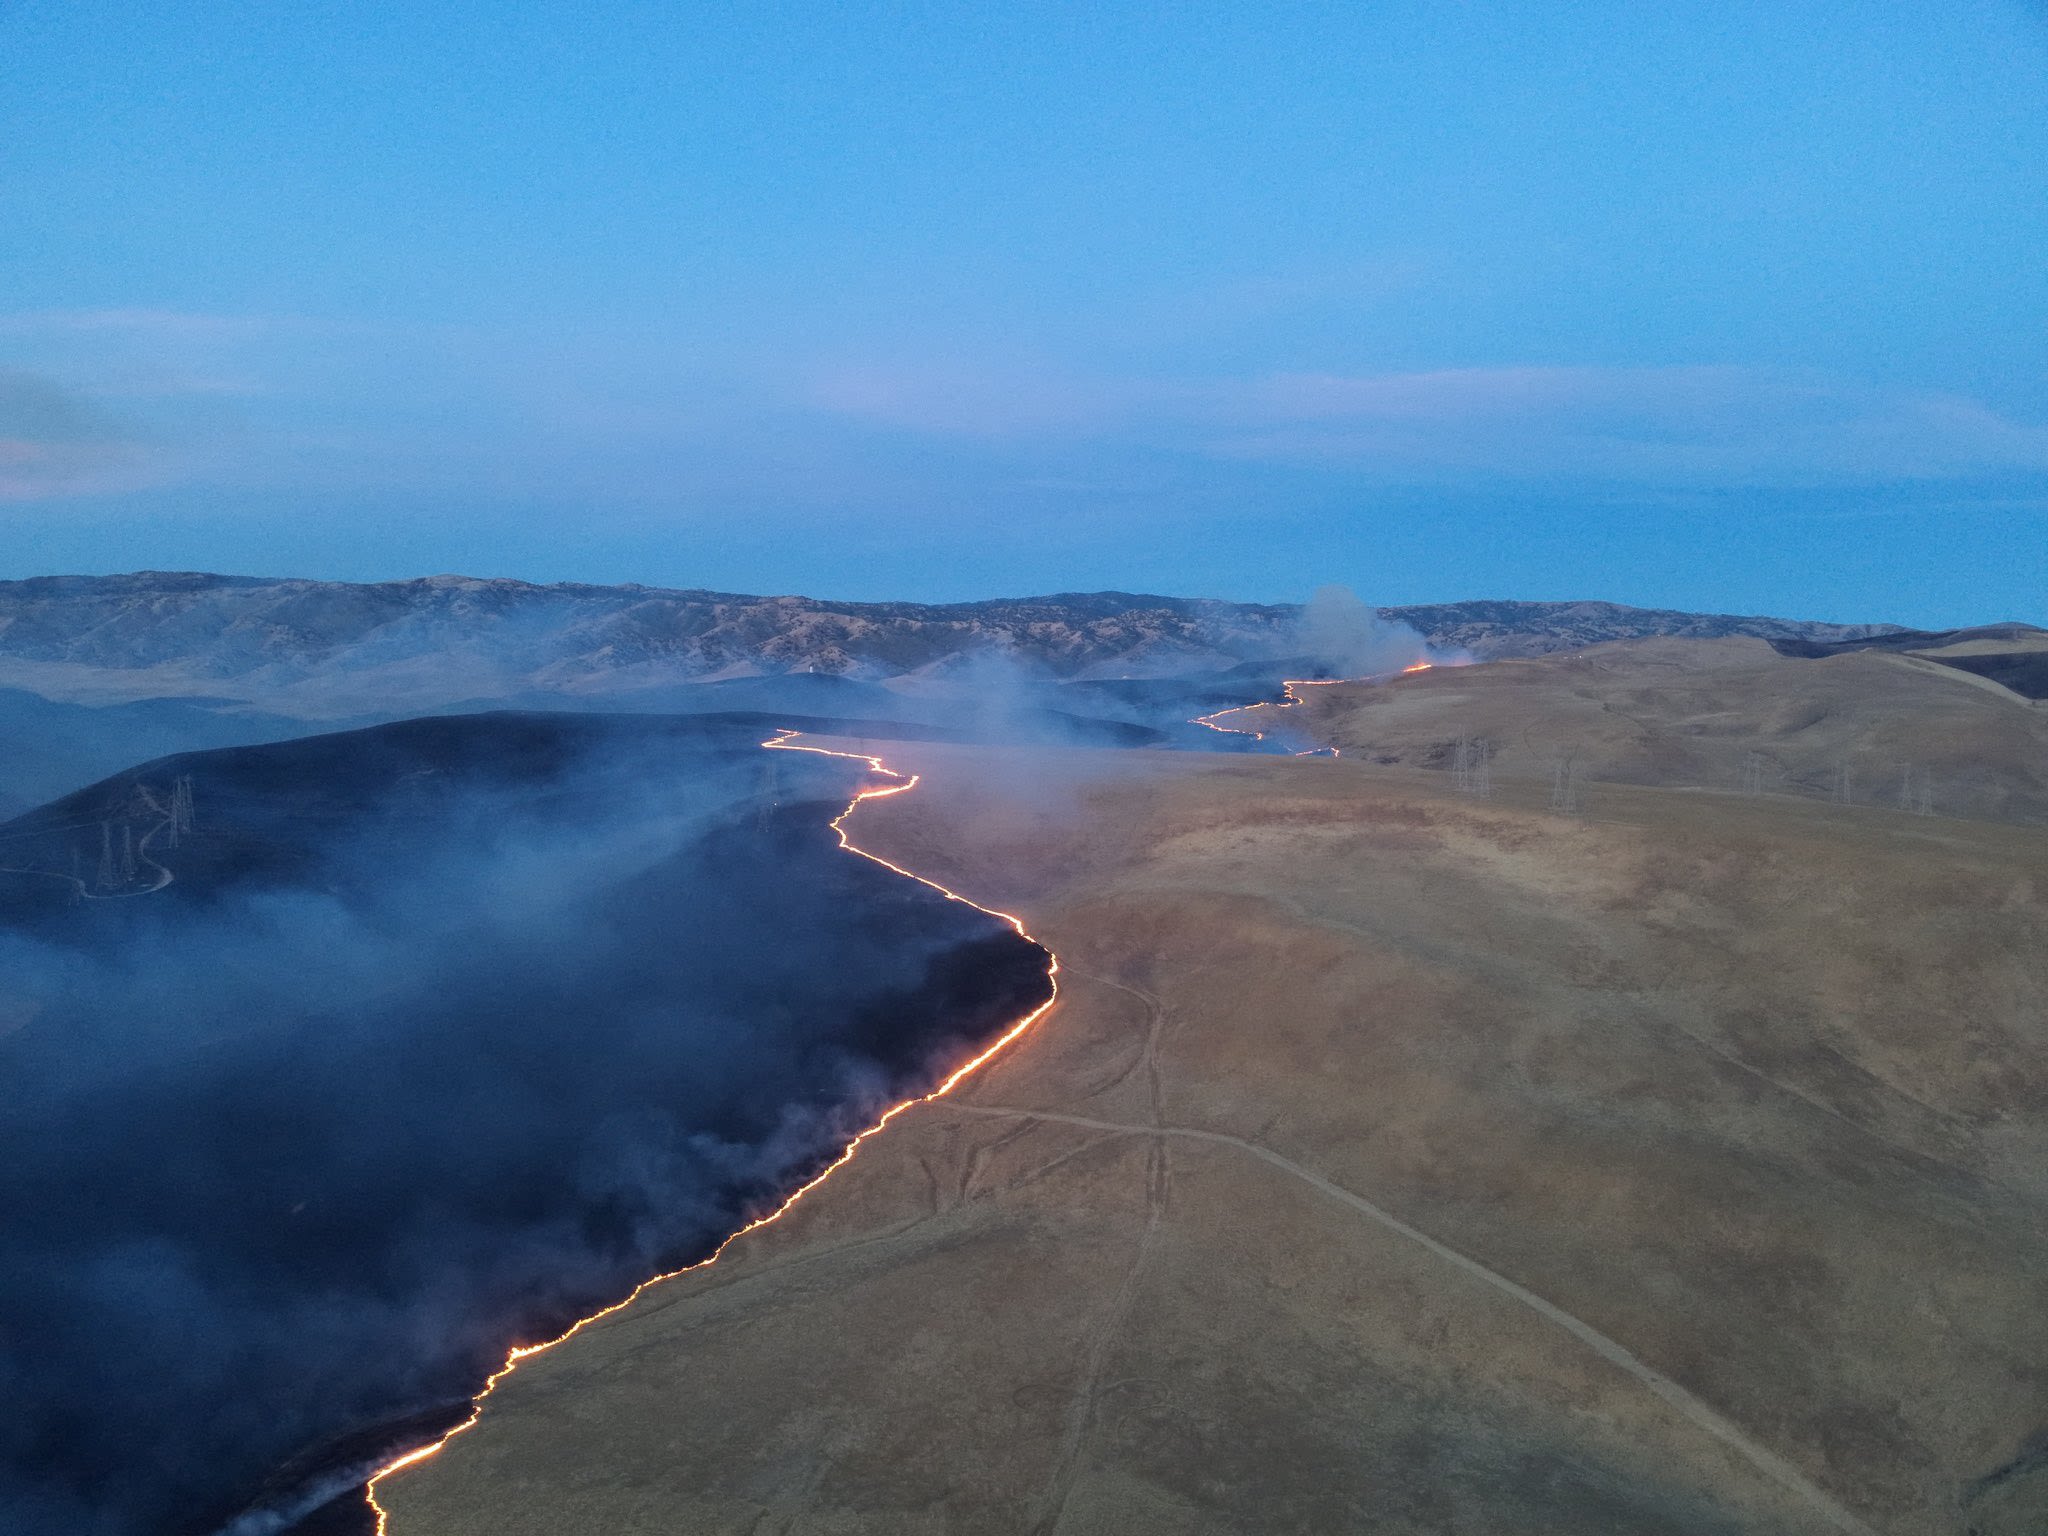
(437, 1035)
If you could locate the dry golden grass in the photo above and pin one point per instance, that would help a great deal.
(1715, 715)
(1395, 1162)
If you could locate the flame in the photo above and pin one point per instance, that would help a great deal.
(783, 741)
(1291, 698)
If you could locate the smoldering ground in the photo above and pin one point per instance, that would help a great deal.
(443, 1034)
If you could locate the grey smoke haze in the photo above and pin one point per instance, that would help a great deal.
(49, 747)
(1348, 638)
(446, 1032)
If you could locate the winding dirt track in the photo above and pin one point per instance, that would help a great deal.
(1699, 1204)
(1607, 1349)
(142, 845)
(785, 741)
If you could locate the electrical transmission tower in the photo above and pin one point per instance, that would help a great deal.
(1472, 767)
(170, 825)
(1916, 792)
(104, 878)
(1844, 786)
(1564, 787)
(1753, 774)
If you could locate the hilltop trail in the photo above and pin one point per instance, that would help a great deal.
(1458, 1231)
(1608, 1349)
(785, 741)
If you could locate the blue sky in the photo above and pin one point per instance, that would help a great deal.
(1731, 306)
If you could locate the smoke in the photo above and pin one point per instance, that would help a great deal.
(445, 1033)
(75, 744)
(281, 1516)
(1347, 638)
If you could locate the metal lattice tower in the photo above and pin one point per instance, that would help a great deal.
(1472, 766)
(1564, 787)
(1916, 790)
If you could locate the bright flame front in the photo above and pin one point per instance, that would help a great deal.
(783, 741)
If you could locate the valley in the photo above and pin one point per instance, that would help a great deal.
(1034, 770)
(1475, 1097)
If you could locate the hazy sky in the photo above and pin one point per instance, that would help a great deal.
(1732, 305)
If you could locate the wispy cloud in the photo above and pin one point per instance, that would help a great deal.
(97, 401)
(969, 401)
(141, 353)
(55, 443)
(274, 404)
(1683, 425)
(165, 324)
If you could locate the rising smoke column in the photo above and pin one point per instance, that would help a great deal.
(1347, 637)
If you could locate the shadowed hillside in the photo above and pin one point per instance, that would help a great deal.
(1395, 1162)
(2015, 656)
(339, 1065)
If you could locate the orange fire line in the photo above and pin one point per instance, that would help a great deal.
(1288, 702)
(782, 742)
(1290, 699)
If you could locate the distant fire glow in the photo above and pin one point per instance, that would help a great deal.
(1291, 698)
(783, 741)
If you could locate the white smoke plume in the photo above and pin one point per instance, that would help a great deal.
(1347, 637)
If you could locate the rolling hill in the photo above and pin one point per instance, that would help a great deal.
(1398, 1161)
(1866, 725)
(336, 1066)
(335, 649)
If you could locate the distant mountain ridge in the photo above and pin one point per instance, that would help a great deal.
(1491, 630)
(430, 640)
